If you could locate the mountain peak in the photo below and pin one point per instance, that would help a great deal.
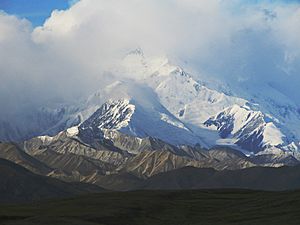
(138, 51)
(113, 114)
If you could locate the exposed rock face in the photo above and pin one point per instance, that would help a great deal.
(15, 153)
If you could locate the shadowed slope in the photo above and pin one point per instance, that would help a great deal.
(19, 184)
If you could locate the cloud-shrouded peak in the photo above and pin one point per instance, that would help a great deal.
(234, 41)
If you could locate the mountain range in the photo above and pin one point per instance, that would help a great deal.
(135, 130)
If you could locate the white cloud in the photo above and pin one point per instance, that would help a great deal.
(231, 40)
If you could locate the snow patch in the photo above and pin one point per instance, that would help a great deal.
(272, 135)
(73, 131)
(172, 121)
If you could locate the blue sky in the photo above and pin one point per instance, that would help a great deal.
(37, 11)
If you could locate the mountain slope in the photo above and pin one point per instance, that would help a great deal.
(19, 184)
(246, 128)
(259, 178)
(135, 110)
(70, 159)
(196, 105)
(15, 153)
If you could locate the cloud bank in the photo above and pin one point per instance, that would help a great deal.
(232, 40)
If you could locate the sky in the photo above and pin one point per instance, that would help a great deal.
(58, 49)
(36, 11)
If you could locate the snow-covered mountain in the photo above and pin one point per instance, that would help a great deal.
(140, 116)
(246, 128)
(254, 123)
(164, 101)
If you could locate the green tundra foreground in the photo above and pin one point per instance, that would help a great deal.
(201, 207)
